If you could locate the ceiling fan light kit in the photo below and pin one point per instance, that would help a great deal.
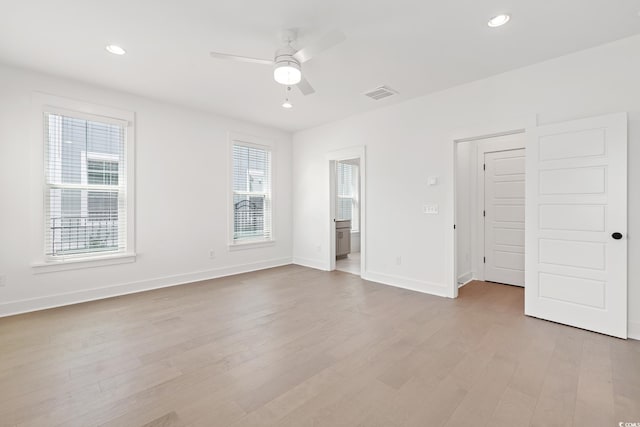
(287, 73)
(286, 69)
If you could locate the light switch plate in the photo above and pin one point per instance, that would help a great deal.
(430, 209)
(433, 180)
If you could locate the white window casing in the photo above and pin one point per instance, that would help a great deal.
(87, 185)
(251, 213)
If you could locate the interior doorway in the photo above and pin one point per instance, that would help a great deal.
(347, 211)
(490, 195)
(347, 214)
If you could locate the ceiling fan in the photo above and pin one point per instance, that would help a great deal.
(288, 60)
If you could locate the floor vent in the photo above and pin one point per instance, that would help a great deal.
(380, 93)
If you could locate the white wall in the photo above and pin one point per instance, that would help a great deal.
(408, 142)
(464, 214)
(181, 192)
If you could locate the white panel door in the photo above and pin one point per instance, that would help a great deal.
(504, 197)
(576, 224)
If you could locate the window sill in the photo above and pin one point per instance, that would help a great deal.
(251, 245)
(79, 263)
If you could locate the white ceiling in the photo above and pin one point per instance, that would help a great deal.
(413, 46)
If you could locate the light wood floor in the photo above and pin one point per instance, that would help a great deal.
(350, 264)
(298, 347)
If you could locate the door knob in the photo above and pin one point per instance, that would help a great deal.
(617, 235)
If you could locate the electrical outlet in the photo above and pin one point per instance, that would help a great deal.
(3, 281)
(399, 260)
(212, 254)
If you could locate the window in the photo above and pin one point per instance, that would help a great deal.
(347, 193)
(251, 185)
(102, 172)
(85, 185)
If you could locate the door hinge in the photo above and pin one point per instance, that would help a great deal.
(454, 226)
(484, 213)
(484, 166)
(484, 260)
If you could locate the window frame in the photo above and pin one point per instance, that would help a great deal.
(42, 104)
(261, 144)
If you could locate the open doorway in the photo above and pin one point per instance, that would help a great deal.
(347, 210)
(347, 214)
(490, 209)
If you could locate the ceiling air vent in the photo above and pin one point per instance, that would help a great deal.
(380, 93)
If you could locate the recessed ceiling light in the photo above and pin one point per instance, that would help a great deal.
(115, 49)
(498, 20)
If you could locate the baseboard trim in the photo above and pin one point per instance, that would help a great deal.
(58, 300)
(407, 283)
(311, 263)
(633, 330)
(465, 278)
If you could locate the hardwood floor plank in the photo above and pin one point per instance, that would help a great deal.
(169, 420)
(292, 346)
(557, 400)
(595, 398)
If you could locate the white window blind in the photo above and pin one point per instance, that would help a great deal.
(251, 181)
(85, 188)
(347, 193)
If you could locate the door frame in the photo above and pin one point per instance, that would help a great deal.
(358, 152)
(469, 135)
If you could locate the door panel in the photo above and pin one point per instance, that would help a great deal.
(508, 165)
(571, 253)
(508, 236)
(504, 192)
(590, 142)
(509, 213)
(572, 290)
(572, 217)
(509, 190)
(576, 273)
(509, 259)
(573, 181)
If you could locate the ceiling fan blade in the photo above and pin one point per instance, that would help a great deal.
(327, 41)
(305, 87)
(219, 55)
